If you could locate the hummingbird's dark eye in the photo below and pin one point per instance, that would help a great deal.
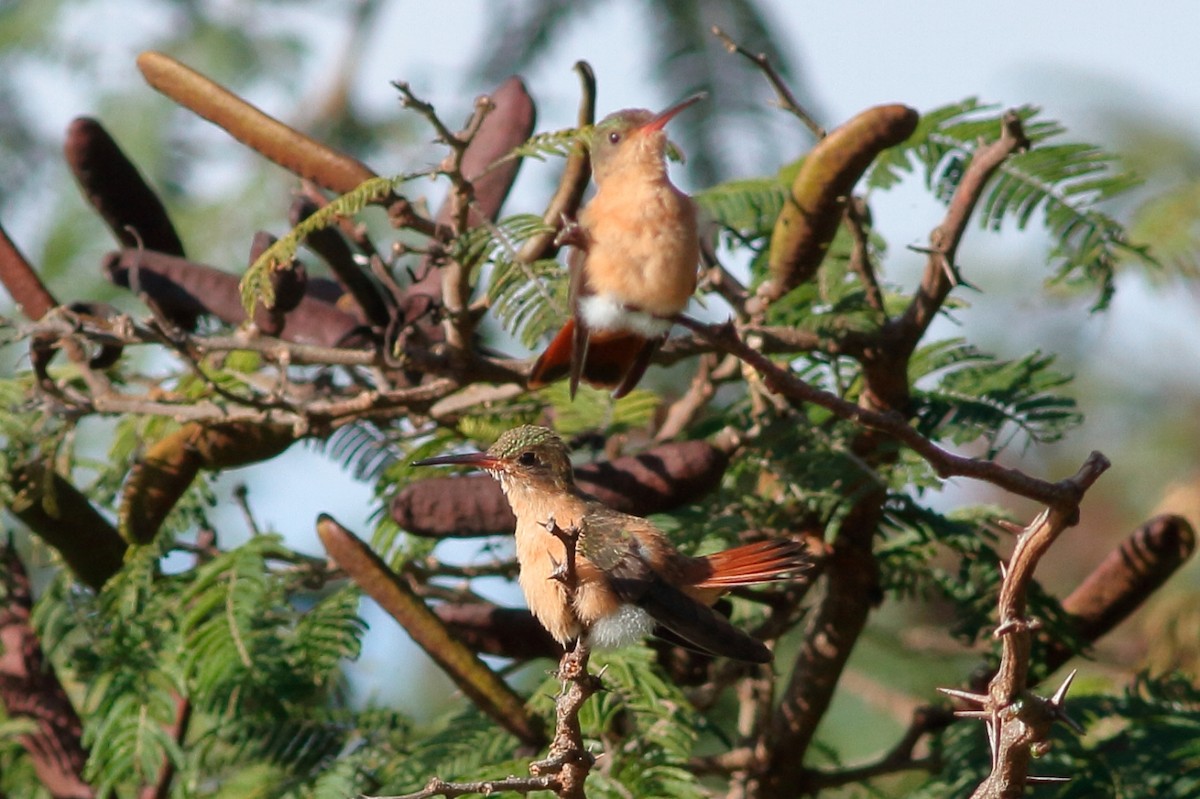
(527, 458)
(614, 137)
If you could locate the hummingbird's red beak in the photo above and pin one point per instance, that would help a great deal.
(480, 460)
(662, 118)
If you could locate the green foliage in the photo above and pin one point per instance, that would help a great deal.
(464, 745)
(748, 206)
(558, 143)
(527, 298)
(1066, 182)
(255, 655)
(976, 396)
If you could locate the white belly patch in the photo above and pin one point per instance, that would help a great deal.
(628, 625)
(606, 312)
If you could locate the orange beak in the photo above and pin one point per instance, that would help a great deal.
(663, 117)
(480, 460)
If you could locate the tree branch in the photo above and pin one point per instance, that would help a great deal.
(941, 270)
(945, 464)
(787, 100)
(1019, 722)
(30, 689)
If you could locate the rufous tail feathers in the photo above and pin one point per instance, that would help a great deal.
(770, 561)
(610, 360)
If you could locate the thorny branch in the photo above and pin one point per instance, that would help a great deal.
(1018, 722)
(1118, 585)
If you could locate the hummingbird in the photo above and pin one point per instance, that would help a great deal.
(592, 573)
(635, 252)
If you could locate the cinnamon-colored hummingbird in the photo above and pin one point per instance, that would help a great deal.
(619, 578)
(635, 253)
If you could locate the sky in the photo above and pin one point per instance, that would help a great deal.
(1083, 62)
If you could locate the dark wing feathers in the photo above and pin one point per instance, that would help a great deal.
(622, 558)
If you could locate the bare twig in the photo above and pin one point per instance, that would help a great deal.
(456, 288)
(685, 409)
(787, 100)
(574, 180)
(439, 787)
(858, 221)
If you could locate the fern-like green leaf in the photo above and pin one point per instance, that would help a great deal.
(557, 143)
(1066, 182)
(255, 285)
(749, 206)
(528, 299)
(595, 409)
(977, 396)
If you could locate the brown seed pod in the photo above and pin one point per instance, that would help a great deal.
(159, 478)
(660, 479)
(284, 145)
(22, 282)
(57, 512)
(810, 217)
(118, 192)
(482, 685)
(495, 630)
(184, 290)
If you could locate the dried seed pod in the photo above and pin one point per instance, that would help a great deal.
(159, 478)
(118, 192)
(183, 290)
(495, 630)
(819, 193)
(22, 282)
(282, 144)
(1125, 579)
(57, 512)
(491, 693)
